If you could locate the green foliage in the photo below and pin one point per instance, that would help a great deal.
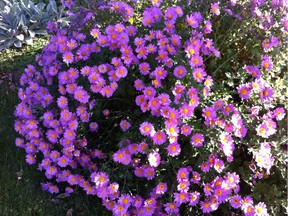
(22, 20)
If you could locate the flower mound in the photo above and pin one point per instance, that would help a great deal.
(128, 113)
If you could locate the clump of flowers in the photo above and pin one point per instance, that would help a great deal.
(127, 111)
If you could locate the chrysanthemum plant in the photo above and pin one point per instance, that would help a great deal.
(160, 108)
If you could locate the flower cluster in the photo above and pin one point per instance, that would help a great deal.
(183, 141)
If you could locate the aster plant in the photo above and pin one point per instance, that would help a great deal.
(138, 111)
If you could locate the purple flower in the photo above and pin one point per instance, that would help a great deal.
(199, 74)
(236, 201)
(173, 149)
(171, 208)
(206, 206)
(159, 138)
(244, 91)
(266, 62)
(215, 8)
(161, 188)
(147, 129)
(194, 198)
(197, 140)
(125, 125)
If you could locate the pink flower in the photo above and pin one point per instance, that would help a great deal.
(161, 188)
(68, 57)
(122, 157)
(125, 125)
(194, 198)
(159, 138)
(206, 206)
(215, 8)
(180, 72)
(236, 201)
(171, 208)
(199, 74)
(244, 91)
(149, 172)
(81, 95)
(147, 129)
(173, 149)
(186, 130)
(197, 140)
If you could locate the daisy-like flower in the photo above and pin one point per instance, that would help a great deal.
(63, 161)
(244, 91)
(209, 113)
(125, 125)
(279, 113)
(154, 159)
(262, 130)
(160, 73)
(236, 201)
(172, 129)
(254, 71)
(261, 209)
(215, 8)
(266, 63)
(180, 72)
(161, 188)
(119, 209)
(266, 93)
(197, 140)
(125, 200)
(218, 165)
(159, 137)
(149, 92)
(208, 81)
(147, 20)
(192, 21)
(196, 61)
(154, 104)
(121, 72)
(171, 208)
(68, 57)
(199, 74)
(182, 174)
(81, 95)
(173, 149)
(149, 172)
(107, 91)
(122, 157)
(138, 84)
(207, 27)
(183, 186)
(147, 129)
(186, 130)
(205, 167)
(194, 198)
(206, 206)
(164, 99)
(181, 197)
(232, 179)
(93, 126)
(186, 111)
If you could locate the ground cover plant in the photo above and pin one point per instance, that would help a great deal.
(165, 108)
(21, 21)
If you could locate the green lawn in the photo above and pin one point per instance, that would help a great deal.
(20, 191)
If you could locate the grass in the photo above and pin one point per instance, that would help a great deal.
(20, 192)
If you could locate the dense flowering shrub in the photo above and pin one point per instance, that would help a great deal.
(135, 103)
